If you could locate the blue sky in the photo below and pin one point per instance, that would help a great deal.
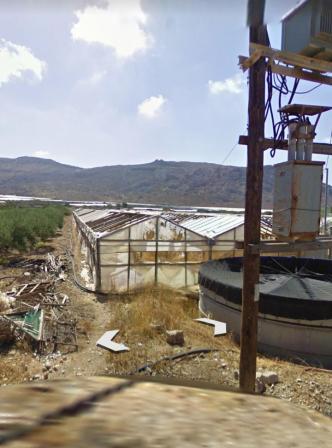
(91, 83)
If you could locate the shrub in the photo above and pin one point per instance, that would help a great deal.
(23, 227)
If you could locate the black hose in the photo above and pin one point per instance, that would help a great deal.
(173, 357)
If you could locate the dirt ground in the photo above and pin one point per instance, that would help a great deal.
(142, 319)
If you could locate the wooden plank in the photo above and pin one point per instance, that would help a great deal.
(294, 59)
(22, 289)
(300, 74)
(318, 148)
(246, 63)
(294, 72)
(35, 287)
(322, 41)
(303, 109)
(290, 246)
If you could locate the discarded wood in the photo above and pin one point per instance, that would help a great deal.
(54, 325)
(10, 276)
(35, 287)
(21, 290)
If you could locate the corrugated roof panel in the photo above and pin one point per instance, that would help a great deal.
(213, 226)
(95, 215)
(116, 221)
(83, 211)
(105, 222)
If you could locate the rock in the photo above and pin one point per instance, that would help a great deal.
(223, 365)
(78, 374)
(36, 377)
(236, 375)
(267, 377)
(47, 365)
(175, 337)
(27, 274)
(56, 368)
(45, 376)
(260, 386)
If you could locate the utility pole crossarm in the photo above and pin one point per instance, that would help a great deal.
(318, 148)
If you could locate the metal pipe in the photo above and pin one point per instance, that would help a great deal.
(300, 144)
(326, 198)
(292, 141)
(309, 143)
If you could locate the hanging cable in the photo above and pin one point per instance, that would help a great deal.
(229, 153)
(308, 91)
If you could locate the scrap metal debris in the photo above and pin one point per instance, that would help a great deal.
(36, 311)
(106, 342)
(219, 327)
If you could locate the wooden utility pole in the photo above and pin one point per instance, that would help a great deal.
(253, 201)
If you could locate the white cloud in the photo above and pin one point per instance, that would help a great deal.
(119, 26)
(16, 60)
(230, 85)
(41, 153)
(151, 107)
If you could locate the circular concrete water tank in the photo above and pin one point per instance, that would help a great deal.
(295, 305)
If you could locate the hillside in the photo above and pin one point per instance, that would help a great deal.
(178, 183)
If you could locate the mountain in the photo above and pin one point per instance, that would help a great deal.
(163, 182)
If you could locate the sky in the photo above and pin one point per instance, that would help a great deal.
(104, 82)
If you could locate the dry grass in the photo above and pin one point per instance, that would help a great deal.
(11, 373)
(135, 316)
(161, 306)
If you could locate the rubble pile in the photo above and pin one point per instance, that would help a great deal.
(35, 311)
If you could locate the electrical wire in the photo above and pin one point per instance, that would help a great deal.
(229, 153)
(308, 91)
(278, 84)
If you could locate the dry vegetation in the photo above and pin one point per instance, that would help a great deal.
(143, 319)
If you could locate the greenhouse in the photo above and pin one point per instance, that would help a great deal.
(124, 250)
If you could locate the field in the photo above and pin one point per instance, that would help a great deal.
(24, 227)
(142, 319)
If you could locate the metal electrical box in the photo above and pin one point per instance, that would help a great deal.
(307, 27)
(297, 199)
